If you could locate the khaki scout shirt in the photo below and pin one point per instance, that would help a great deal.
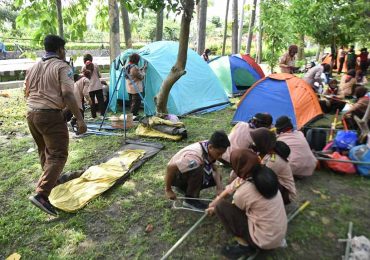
(95, 83)
(81, 90)
(301, 160)
(282, 171)
(288, 60)
(188, 158)
(45, 81)
(240, 138)
(267, 220)
(137, 75)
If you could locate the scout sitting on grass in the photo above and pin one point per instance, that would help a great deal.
(256, 216)
(192, 169)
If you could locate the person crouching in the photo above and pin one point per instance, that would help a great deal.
(192, 169)
(256, 216)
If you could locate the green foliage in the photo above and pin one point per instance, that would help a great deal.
(275, 29)
(74, 17)
(216, 20)
(101, 20)
(28, 54)
(310, 52)
(41, 16)
(331, 22)
(7, 15)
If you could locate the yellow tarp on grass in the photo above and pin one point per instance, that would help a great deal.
(148, 131)
(75, 194)
(142, 130)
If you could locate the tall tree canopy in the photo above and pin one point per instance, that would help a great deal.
(41, 16)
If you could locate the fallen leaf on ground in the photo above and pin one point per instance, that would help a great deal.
(14, 256)
(325, 220)
(4, 95)
(313, 213)
(322, 195)
(149, 228)
(330, 235)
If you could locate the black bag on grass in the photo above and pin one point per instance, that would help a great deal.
(316, 138)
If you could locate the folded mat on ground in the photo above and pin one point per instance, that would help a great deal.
(78, 188)
(158, 127)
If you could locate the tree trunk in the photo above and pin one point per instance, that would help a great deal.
(251, 25)
(234, 36)
(241, 27)
(178, 70)
(197, 12)
(273, 54)
(321, 53)
(126, 25)
(301, 47)
(60, 18)
(202, 26)
(259, 36)
(114, 40)
(159, 29)
(318, 52)
(225, 30)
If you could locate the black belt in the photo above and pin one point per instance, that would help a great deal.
(44, 110)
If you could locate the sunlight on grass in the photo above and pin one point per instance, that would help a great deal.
(67, 241)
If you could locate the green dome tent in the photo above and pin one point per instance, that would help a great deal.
(199, 89)
(236, 72)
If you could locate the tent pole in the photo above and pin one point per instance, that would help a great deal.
(124, 114)
(110, 99)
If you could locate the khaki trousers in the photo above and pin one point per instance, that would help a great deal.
(234, 220)
(50, 132)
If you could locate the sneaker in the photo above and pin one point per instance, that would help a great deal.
(237, 250)
(178, 190)
(195, 204)
(43, 203)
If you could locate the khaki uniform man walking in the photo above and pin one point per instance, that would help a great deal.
(49, 89)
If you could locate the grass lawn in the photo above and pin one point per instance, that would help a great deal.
(113, 225)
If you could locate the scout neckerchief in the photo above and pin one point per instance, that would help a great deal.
(252, 125)
(49, 55)
(208, 166)
(272, 158)
(239, 183)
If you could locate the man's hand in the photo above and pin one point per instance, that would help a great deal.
(213, 203)
(170, 195)
(81, 127)
(210, 211)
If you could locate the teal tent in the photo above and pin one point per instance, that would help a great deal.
(197, 90)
